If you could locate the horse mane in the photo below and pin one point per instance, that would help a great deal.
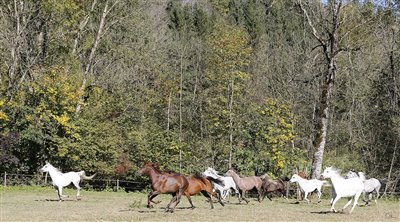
(212, 170)
(55, 168)
(198, 175)
(156, 167)
(361, 175)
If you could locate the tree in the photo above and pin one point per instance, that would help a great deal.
(328, 40)
(229, 54)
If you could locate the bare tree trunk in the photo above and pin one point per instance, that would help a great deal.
(82, 26)
(390, 170)
(330, 50)
(231, 125)
(169, 111)
(15, 48)
(180, 108)
(89, 64)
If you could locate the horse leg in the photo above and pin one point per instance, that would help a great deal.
(219, 197)
(154, 195)
(355, 201)
(364, 199)
(348, 203)
(319, 193)
(260, 195)
(168, 208)
(284, 194)
(305, 197)
(150, 197)
(243, 196)
(176, 200)
(269, 198)
(78, 193)
(377, 195)
(60, 195)
(190, 200)
(333, 203)
(209, 197)
(225, 193)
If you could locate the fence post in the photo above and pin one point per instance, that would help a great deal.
(5, 179)
(117, 184)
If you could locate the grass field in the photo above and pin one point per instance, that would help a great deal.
(40, 204)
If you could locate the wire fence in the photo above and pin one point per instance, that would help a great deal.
(93, 184)
(292, 190)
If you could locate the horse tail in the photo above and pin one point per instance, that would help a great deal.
(383, 182)
(215, 180)
(83, 175)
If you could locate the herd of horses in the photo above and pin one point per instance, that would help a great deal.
(210, 184)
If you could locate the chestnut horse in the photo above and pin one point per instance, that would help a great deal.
(164, 183)
(269, 186)
(201, 184)
(245, 184)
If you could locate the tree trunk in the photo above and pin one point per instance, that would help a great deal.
(91, 56)
(231, 125)
(82, 26)
(330, 50)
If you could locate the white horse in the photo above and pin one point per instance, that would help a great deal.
(351, 187)
(228, 183)
(370, 185)
(308, 186)
(61, 180)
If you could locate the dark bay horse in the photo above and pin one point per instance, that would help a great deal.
(164, 183)
(270, 186)
(246, 183)
(201, 184)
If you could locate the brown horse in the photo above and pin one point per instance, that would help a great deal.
(269, 186)
(245, 184)
(164, 183)
(201, 184)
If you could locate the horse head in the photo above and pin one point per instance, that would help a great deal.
(295, 178)
(351, 174)
(230, 173)
(144, 169)
(46, 167)
(329, 172)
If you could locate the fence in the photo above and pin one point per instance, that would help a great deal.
(95, 184)
(118, 184)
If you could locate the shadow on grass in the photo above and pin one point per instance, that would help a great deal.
(56, 200)
(328, 212)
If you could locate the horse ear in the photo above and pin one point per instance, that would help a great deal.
(47, 162)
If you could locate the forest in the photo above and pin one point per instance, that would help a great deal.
(263, 86)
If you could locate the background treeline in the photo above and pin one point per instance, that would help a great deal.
(106, 85)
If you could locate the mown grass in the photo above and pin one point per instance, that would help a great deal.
(40, 204)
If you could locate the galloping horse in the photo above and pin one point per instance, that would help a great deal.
(224, 189)
(269, 186)
(308, 186)
(61, 180)
(352, 187)
(370, 185)
(164, 183)
(201, 184)
(246, 183)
